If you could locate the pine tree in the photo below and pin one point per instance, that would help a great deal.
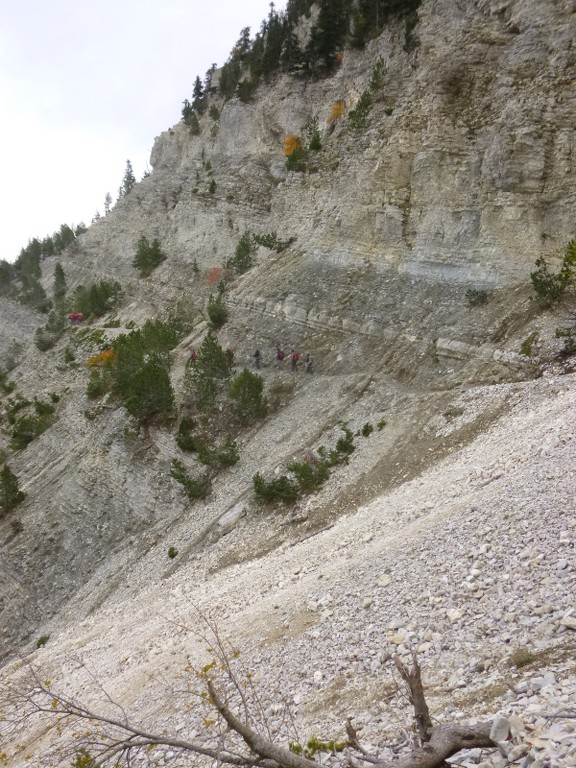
(59, 289)
(199, 97)
(329, 34)
(10, 493)
(128, 180)
(107, 203)
(148, 255)
(212, 369)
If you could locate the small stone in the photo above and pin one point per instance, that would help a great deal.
(500, 728)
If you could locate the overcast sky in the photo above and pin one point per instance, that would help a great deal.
(86, 86)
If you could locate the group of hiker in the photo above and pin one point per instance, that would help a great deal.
(281, 356)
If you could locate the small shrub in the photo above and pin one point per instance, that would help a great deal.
(381, 424)
(310, 477)
(367, 429)
(185, 438)
(272, 241)
(10, 494)
(378, 76)
(16, 526)
(214, 275)
(217, 311)
(28, 427)
(212, 187)
(246, 392)
(476, 297)
(148, 256)
(358, 117)
(549, 286)
(83, 759)
(214, 113)
(522, 657)
(280, 489)
(228, 454)
(42, 640)
(98, 384)
(195, 489)
(243, 258)
(336, 112)
(345, 444)
(528, 343)
(44, 340)
(172, 552)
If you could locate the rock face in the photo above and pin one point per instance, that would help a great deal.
(446, 532)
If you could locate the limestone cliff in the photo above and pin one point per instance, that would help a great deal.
(461, 178)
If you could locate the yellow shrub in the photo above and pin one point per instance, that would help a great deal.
(337, 111)
(291, 144)
(102, 360)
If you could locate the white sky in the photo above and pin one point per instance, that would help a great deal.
(84, 86)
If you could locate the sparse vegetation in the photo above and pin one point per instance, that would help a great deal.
(194, 488)
(243, 258)
(148, 256)
(528, 344)
(30, 426)
(367, 429)
(10, 494)
(477, 297)
(522, 657)
(551, 286)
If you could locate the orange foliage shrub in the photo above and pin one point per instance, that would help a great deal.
(215, 275)
(102, 360)
(291, 144)
(337, 111)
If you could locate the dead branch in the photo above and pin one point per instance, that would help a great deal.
(413, 679)
(237, 741)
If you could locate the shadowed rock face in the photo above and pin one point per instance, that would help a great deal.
(463, 176)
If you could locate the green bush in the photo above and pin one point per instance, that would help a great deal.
(96, 300)
(185, 438)
(272, 241)
(297, 160)
(217, 311)
(243, 258)
(83, 759)
(246, 392)
(10, 493)
(367, 429)
(140, 370)
(172, 552)
(280, 489)
(528, 343)
(310, 477)
(98, 383)
(148, 256)
(358, 117)
(550, 286)
(42, 640)
(195, 489)
(206, 380)
(345, 444)
(28, 427)
(476, 297)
